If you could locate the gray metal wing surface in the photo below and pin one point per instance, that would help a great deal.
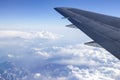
(103, 29)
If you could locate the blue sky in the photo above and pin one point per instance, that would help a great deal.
(37, 15)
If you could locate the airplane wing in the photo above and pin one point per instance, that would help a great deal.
(103, 29)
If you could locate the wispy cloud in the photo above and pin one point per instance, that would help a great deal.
(29, 35)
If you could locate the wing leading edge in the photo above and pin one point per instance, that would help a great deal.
(103, 29)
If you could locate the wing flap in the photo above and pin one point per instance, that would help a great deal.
(71, 26)
(92, 43)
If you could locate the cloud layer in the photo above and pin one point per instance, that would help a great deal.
(85, 63)
(68, 62)
(28, 35)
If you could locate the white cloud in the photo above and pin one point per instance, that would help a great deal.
(100, 65)
(29, 35)
(10, 56)
(37, 75)
(42, 54)
(87, 74)
(82, 52)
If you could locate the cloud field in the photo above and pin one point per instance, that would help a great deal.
(80, 62)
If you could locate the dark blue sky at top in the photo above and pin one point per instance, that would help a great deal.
(34, 14)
